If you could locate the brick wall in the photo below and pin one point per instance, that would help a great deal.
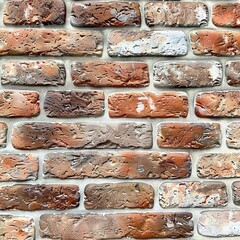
(122, 115)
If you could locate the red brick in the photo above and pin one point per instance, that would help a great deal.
(118, 195)
(106, 14)
(39, 197)
(189, 135)
(218, 104)
(3, 134)
(18, 12)
(110, 74)
(41, 135)
(123, 165)
(148, 104)
(233, 73)
(50, 42)
(167, 14)
(18, 167)
(16, 227)
(116, 226)
(226, 14)
(193, 194)
(15, 103)
(74, 103)
(33, 73)
(212, 42)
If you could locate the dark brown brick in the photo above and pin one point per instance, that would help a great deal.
(74, 103)
(189, 135)
(236, 192)
(15, 103)
(18, 12)
(33, 135)
(18, 167)
(106, 14)
(33, 73)
(50, 42)
(129, 225)
(39, 197)
(233, 73)
(148, 104)
(121, 165)
(110, 74)
(118, 195)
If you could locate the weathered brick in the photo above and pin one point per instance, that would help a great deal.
(18, 167)
(74, 103)
(116, 226)
(226, 14)
(33, 73)
(236, 192)
(233, 135)
(193, 194)
(39, 197)
(118, 195)
(110, 74)
(15, 103)
(213, 42)
(218, 104)
(168, 14)
(219, 223)
(106, 14)
(18, 12)
(33, 135)
(3, 134)
(187, 73)
(16, 228)
(121, 165)
(233, 73)
(189, 135)
(148, 104)
(219, 165)
(50, 42)
(149, 43)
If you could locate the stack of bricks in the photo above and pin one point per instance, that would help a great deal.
(119, 119)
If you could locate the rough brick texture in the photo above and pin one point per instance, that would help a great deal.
(110, 74)
(17, 12)
(106, 14)
(16, 227)
(193, 194)
(118, 195)
(233, 73)
(3, 134)
(236, 192)
(117, 165)
(131, 225)
(50, 42)
(148, 104)
(35, 135)
(33, 73)
(189, 135)
(233, 135)
(39, 197)
(74, 103)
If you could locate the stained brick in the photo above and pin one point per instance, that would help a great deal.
(50, 42)
(130, 225)
(233, 73)
(118, 195)
(121, 165)
(18, 167)
(187, 73)
(233, 135)
(147, 43)
(33, 135)
(236, 192)
(46, 72)
(148, 104)
(110, 74)
(106, 14)
(38, 197)
(167, 14)
(193, 194)
(15, 103)
(17, 12)
(73, 103)
(3, 134)
(189, 135)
